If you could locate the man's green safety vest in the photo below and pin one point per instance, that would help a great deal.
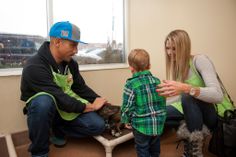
(64, 82)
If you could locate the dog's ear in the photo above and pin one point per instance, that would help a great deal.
(107, 103)
(108, 110)
(116, 117)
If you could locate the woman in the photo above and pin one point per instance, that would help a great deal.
(193, 78)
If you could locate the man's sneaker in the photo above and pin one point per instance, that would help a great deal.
(58, 141)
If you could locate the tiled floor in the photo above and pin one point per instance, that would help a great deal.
(89, 147)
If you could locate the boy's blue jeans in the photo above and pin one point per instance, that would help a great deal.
(146, 146)
(42, 116)
(196, 113)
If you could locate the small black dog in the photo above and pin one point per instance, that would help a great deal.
(111, 115)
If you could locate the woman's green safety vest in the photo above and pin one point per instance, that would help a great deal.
(64, 82)
(195, 80)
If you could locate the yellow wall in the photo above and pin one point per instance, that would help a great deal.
(107, 83)
(211, 25)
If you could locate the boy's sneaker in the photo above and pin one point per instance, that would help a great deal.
(58, 141)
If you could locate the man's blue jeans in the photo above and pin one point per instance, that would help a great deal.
(42, 116)
(146, 146)
(196, 113)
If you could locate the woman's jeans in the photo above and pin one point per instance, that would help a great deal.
(146, 146)
(42, 116)
(196, 113)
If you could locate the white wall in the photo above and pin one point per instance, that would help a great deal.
(211, 25)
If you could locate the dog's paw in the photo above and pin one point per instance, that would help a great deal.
(115, 133)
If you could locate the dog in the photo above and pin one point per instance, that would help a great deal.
(111, 115)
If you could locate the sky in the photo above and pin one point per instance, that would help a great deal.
(29, 17)
(23, 17)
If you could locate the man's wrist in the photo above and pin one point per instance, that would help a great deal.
(89, 108)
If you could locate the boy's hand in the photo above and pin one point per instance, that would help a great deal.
(128, 126)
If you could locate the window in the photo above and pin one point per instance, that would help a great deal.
(101, 25)
(24, 28)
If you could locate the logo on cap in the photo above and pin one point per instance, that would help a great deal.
(64, 33)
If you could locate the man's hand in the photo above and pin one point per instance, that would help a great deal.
(96, 105)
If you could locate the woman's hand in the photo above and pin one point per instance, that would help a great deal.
(172, 88)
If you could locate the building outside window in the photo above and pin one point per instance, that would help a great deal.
(101, 25)
(24, 28)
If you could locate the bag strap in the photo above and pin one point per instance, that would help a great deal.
(228, 114)
(195, 70)
(224, 89)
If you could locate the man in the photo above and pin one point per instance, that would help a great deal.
(56, 95)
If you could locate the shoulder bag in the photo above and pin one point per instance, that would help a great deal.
(223, 140)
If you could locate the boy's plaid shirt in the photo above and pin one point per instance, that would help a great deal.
(142, 106)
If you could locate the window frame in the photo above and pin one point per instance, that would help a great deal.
(88, 67)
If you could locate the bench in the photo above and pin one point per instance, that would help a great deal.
(109, 142)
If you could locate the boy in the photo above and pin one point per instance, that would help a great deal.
(143, 109)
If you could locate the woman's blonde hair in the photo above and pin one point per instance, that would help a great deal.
(177, 68)
(139, 59)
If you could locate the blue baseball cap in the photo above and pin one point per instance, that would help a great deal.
(66, 30)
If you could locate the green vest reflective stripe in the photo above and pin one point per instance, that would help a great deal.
(195, 80)
(64, 82)
(38, 94)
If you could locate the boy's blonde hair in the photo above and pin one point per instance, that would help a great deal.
(139, 59)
